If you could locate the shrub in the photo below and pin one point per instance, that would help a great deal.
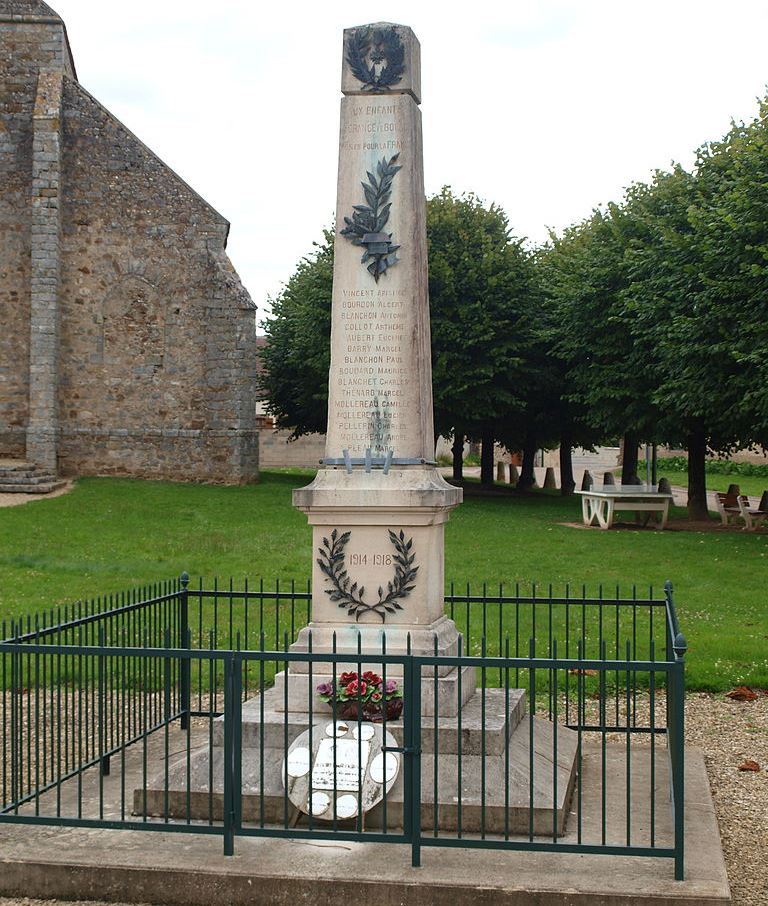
(714, 466)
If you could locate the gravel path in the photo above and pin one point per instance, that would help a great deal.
(730, 733)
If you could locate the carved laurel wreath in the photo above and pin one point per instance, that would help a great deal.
(367, 223)
(382, 44)
(349, 595)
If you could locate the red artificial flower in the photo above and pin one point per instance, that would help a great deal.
(372, 678)
(347, 678)
(376, 697)
(354, 687)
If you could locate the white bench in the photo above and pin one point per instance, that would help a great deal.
(599, 504)
(753, 516)
(727, 506)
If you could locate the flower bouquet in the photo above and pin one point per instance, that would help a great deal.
(364, 697)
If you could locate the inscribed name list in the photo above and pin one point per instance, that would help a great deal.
(350, 762)
(374, 374)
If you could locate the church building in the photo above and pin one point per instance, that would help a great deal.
(127, 341)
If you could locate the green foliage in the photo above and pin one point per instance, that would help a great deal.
(715, 466)
(295, 361)
(661, 305)
(482, 306)
(729, 215)
(584, 273)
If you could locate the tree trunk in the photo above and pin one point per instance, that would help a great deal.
(629, 459)
(696, 444)
(527, 478)
(458, 456)
(486, 458)
(567, 484)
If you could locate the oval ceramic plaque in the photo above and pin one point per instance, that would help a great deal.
(346, 806)
(340, 728)
(319, 803)
(298, 762)
(363, 731)
(344, 774)
(384, 767)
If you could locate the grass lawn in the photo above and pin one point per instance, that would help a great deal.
(748, 484)
(110, 534)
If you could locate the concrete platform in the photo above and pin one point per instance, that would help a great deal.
(168, 868)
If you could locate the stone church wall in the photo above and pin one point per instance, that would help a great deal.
(142, 356)
(24, 49)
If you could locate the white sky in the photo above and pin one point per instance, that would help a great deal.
(547, 108)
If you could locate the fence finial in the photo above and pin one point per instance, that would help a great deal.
(680, 645)
(184, 579)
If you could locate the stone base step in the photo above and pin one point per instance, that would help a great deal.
(17, 476)
(16, 465)
(27, 477)
(495, 791)
(44, 488)
(485, 724)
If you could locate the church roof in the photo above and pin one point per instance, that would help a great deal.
(27, 9)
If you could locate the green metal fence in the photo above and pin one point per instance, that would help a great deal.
(126, 712)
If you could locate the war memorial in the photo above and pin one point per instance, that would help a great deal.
(368, 735)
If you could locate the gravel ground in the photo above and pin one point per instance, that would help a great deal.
(730, 733)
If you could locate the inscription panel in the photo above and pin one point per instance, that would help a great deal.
(351, 761)
(374, 380)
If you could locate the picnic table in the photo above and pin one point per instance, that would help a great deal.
(598, 504)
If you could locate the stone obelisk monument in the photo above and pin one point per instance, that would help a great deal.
(378, 505)
(378, 508)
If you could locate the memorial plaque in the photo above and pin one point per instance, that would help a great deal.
(347, 770)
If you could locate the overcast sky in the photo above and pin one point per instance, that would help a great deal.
(548, 108)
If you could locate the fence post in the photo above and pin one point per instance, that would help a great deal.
(230, 707)
(236, 715)
(184, 642)
(669, 639)
(678, 751)
(413, 674)
(104, 764)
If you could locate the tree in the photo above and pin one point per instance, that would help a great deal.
(482, 299)
(605, 373)
(480, 284)
(698, 284)
(296, 358)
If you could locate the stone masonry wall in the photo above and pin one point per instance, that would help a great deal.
(277, 452)
(142, 359)
(44, 276)
(157, 330)
(25, 48)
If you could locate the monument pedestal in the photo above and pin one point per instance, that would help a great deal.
(482, 762)
(378, 579)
